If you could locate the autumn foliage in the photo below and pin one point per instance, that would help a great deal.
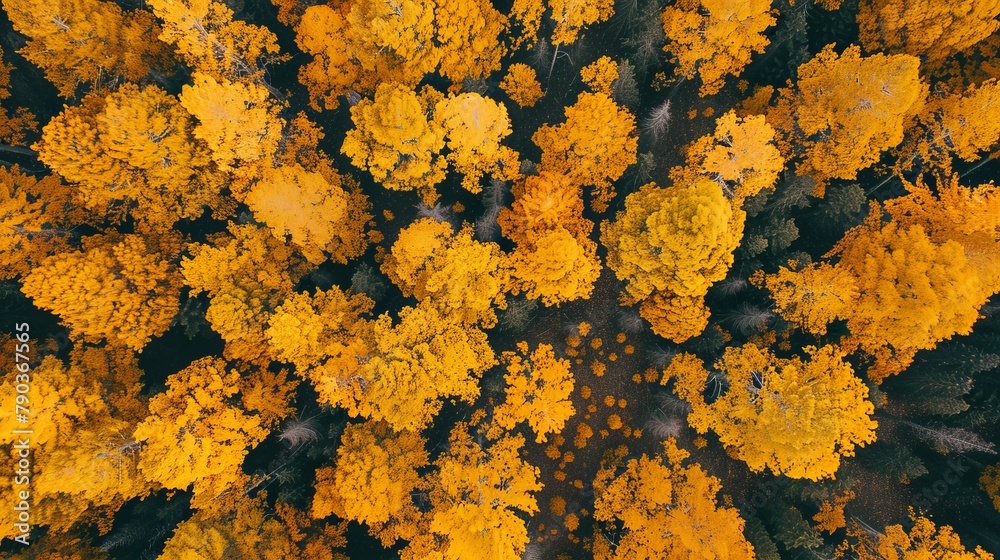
(474, 280)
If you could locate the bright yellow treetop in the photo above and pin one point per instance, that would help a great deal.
(521, 85)
(322, 33)
(593, 147)
(82, 454)
(969, 216)
(468, 36)
(476, 494)
(213, 43)
(600, 75)
(307, 330)
(237, 120)
(120, 290)
(912, 292)
(930, 29)
(87, 41)
(964, 124)
(474, 127)
(572, 16)
(394, 140)
(678, 239)
(923, 540)
(715, 38)
(461, 277)
(740, 155)
(555, 259)
(247, 274)
(538, 391)
(674, 317)
(845, 110)
(245, 527)
(314, 212)
(135, 149)
(812, 297)
(990, 483)
(373, 477)
(542, 203)
(557, 268)
(658, 492)
(397, 372)
(195, 434)
(37, 217)
(793, 417)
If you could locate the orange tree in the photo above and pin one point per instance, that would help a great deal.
(672, 243)
(538, 391)
(794, 417)
(555, 260)
(665, 509)
(715, 38)
(593, 147)
(845, 110)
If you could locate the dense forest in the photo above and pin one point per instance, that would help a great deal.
(524, 279)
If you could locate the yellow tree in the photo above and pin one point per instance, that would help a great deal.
(476, 494)
(414, 364)
(120, 290)
(538, 391)
(87, 41)
(468, 37)
(37, 218)
(593, 147)
(134, 151)
(237, 120)
(600, 75)
(521, 85)
(394, 140)
(373, 479)
(307, 330)
(903, 286)
(969, 216)
(197, 432)
(963, 124)
(213, 43)
(794, 417)
(319, 216)
(322, 33)
(242, 527)
(674, 317)
(664, 509)
(923, 540)
(845, 110)
(247, 274)
(555, 259)
(740, 155)
(930, 29)
(572, 16)
(83, 458)
(544, 202)
(673, 242)
(812, 297)
(474, 127)
(398, 372)
(368, 43)
(912, 292)
(555, 267)
(459, 276)
(715, 38)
